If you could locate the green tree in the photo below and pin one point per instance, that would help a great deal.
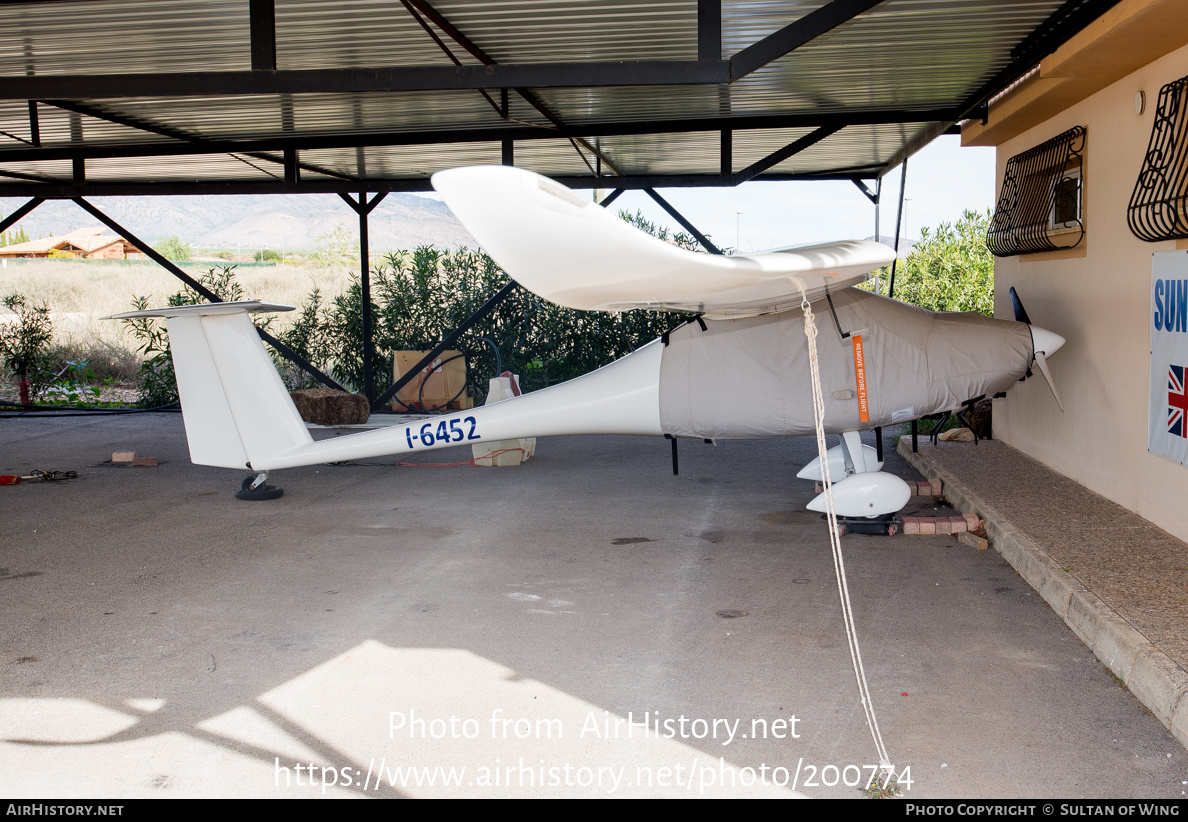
(172, 248)
(949, 269)
(337, 249)
(420, 296)
(13, 237)
(267, 255)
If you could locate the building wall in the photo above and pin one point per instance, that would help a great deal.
(1097, 297)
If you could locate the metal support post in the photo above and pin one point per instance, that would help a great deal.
(34, 127)
(364, 207)
(365, 285)
(898, 225)
(878, 204)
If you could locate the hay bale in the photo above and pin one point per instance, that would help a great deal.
(326, 406)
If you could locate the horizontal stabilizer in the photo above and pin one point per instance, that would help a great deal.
(575, 253)
(204, 310)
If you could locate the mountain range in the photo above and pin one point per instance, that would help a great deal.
(253, 222)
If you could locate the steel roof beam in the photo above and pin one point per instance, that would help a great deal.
(196, 146)
(193, 140)
(61, 189)
(390, 78)
(795, 35)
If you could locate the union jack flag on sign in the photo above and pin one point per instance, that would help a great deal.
(1177, 402)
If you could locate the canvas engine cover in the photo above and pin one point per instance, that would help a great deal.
(749, 378)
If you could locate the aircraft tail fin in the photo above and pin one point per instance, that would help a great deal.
(236, 408)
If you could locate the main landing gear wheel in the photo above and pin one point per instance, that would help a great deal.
(255, 488)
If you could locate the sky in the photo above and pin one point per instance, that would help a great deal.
(943, 180)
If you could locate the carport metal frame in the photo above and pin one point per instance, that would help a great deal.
(70, 93)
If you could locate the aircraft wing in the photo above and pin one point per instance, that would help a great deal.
(571, 251)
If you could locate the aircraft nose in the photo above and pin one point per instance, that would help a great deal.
(1046, 342)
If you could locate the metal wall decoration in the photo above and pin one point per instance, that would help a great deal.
(1039, 207)
(1160, 197)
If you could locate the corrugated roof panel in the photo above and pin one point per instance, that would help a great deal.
(338, 33)
(207, 167)
(900, 57)
(59, 127)
(351, 33)
(902, 53)
(114, 36)
(538, 31)
(854, 147)
(399, 162)
(280, 115)
(689, 153)
(50, 172)
(556, 157)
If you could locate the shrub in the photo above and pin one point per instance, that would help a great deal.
(25, 345)
(157, 381)
(420, 296)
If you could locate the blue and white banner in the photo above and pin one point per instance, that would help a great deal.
(1167, 414)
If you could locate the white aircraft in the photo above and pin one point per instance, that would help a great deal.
(741, 371)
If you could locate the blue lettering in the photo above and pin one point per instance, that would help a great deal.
(1159, 305)
(1181, 309)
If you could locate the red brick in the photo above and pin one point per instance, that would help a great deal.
(943, 526)
(144, 462)
(927, 525)
(972, 523)
(937, 487)
(911, 525)
(973, 541)
(957, 525)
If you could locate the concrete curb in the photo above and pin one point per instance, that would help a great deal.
(1154, 679)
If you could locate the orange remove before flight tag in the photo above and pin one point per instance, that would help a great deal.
(860, 370)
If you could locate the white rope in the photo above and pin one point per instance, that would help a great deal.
(839, 566)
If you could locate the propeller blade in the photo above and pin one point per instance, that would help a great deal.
(1020, 311)
(1042, 361)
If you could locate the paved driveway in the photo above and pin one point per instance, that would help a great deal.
(379, 626)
